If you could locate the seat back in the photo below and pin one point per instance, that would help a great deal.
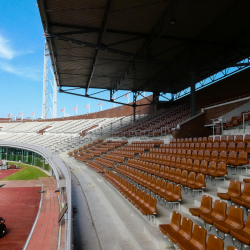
(247, 138)
(223, 156)
(186, 228)
(203, 166)
(238, 138)
(184, 175)
(235, 217)
(230, 138)
(183, 153)
(214, 242)
(231, 147)
(209, 146)
(206, 204)
(216, 146)
(177, 193)
(163, 187)
(191, 178)
(246, 192)
(196, 165)
(212, 167)
(188, 155)
(200, 155)
(200, 181)
(232, 156)
(194, 154)
(197, 146)
(204, 139)
(243, 158)
(247, 226)
(210, 139)
(170, 188)
(189, 164)
(241, 146)
(223, 138)
(203, 146)
(217, 139)
(206, 155)
(222, 169)
(176, 221)
(234, 189)
(199, 237)
(219, 210)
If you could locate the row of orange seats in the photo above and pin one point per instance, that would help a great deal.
(213, 169)
(104, 162)
(183, 162)
(223, 138)
(114, 158)
(87, 155)
(223, 146)
(231, 222)
(170, 192)
(234, 194)
(96, 167)
(134, 149)
(80, 158)
(126, 154)
(158, 142)
(185, 178)
(188, 239)
(142, 201)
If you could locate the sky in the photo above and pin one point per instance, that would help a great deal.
(22, 62)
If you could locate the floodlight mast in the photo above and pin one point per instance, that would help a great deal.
(49, 87)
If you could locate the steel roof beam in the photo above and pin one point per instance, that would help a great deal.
(88, 29)
(100, 40)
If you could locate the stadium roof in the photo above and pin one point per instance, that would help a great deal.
(143, 45)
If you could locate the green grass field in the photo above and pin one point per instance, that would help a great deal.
(27, 173)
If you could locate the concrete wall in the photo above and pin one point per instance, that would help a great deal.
(194, 127)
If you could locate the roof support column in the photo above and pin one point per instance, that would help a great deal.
(192, 92)
(134, 105)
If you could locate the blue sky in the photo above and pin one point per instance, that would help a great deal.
(21, 64)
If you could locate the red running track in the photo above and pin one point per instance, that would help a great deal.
(5, 173)
(19, 206)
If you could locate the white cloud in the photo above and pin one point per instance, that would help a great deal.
(7, 52)
(5, 49)
(27, 72)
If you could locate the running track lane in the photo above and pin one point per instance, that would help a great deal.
(5, 173)
(19, 206)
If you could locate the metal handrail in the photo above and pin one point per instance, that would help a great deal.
(244, 121)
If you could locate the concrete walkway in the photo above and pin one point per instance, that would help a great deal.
(45, 235)
(103, 218)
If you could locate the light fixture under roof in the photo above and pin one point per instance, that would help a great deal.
(172, 22)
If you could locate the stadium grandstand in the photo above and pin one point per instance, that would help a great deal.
(169, 170)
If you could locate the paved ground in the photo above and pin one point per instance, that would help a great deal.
(45, 235)
(19, 206)
(5, 173)
(103, 219)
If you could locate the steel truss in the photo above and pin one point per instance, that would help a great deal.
(244, 64)
(49, 87)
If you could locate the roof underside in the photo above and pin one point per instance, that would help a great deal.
(131, 45)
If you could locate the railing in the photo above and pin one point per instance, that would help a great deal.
(219, 120)
(244, 121)
(61, 172)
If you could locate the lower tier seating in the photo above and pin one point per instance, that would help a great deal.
(142, 201)
(188, 239)
(96, 167)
